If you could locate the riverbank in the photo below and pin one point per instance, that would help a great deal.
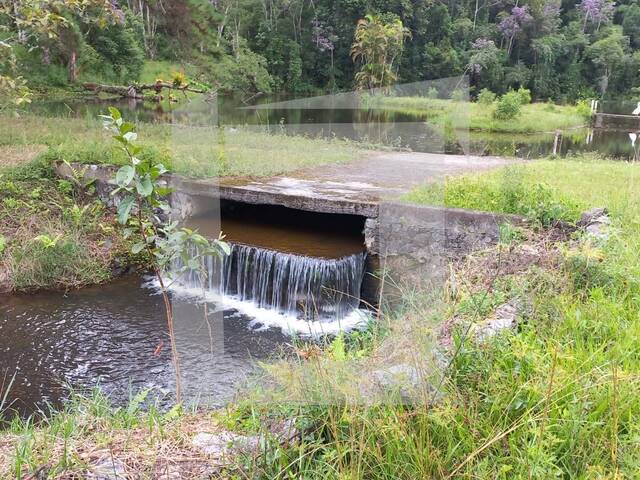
(54, 234)
(536, 373)
(534, 117)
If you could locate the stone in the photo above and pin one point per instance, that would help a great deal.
(108, 469)
(402, 379)
(595, 222)
(225, 444)
(503, 318)
(593, 215)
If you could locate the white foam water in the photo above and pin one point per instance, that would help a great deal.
(304, 296)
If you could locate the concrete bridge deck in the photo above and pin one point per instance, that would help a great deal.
(352, 188)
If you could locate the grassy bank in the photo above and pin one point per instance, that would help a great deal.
(535, 117)
(53, 233)
(193, 151)
(557, 397)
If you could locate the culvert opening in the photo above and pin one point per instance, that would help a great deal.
(300, 264)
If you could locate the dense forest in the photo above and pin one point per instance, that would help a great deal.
(561, 50)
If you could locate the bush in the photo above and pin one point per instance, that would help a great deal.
(486, 97)
(509, 106)
(458, 96)
(525, 95)
(432, 93)
(584, 108)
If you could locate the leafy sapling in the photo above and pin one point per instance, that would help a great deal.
(143, 210)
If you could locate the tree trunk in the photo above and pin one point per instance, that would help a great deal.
(73, 68)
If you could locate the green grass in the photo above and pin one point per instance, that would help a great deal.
(55, 234)
(155, 69)
(89, 430)
(542, 189)
(535, 117)
(556, 399)
(193, 151)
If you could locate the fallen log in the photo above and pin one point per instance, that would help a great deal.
(136, 91)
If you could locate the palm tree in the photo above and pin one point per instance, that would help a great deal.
(377, 45)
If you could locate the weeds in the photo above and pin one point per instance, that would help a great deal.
(54, 234)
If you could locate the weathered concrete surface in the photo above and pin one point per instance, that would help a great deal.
(355, 188)
(387, 175)
(616, 121)
(418, 241)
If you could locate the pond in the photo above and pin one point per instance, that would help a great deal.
(397, 129)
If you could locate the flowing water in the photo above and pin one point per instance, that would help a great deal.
(115, 335)
(299, 275)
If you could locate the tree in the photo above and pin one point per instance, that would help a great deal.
(377, 45)
(606, 54)
(142, 198)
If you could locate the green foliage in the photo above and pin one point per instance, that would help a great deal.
(525, 95)
(486, 97)
(378, 41)
(302, 47)
(509, 106)
(583, 108)
(513, 190)
(458, 96)
(141, 194)
(48, 261)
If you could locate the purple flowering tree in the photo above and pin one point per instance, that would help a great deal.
(596, 12)
(324, 40)
(484, 55)
(551, 16)
(511, 25)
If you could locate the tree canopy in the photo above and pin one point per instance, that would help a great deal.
(561, 50)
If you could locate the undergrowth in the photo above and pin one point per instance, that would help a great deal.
(55, 233)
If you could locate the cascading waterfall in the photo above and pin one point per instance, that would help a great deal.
(305, 287)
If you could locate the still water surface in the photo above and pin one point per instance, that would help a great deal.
(398, 129)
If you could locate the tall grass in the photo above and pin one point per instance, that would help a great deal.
(558, 398)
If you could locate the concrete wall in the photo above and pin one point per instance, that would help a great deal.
(415, 243)
(412, 243)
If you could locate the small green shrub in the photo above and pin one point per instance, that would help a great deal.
(509, 106)
(458, 96)
(432, 93)
(584, 108)
(486, 97)
(525, 95)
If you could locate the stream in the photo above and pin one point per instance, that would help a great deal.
(281, 280)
